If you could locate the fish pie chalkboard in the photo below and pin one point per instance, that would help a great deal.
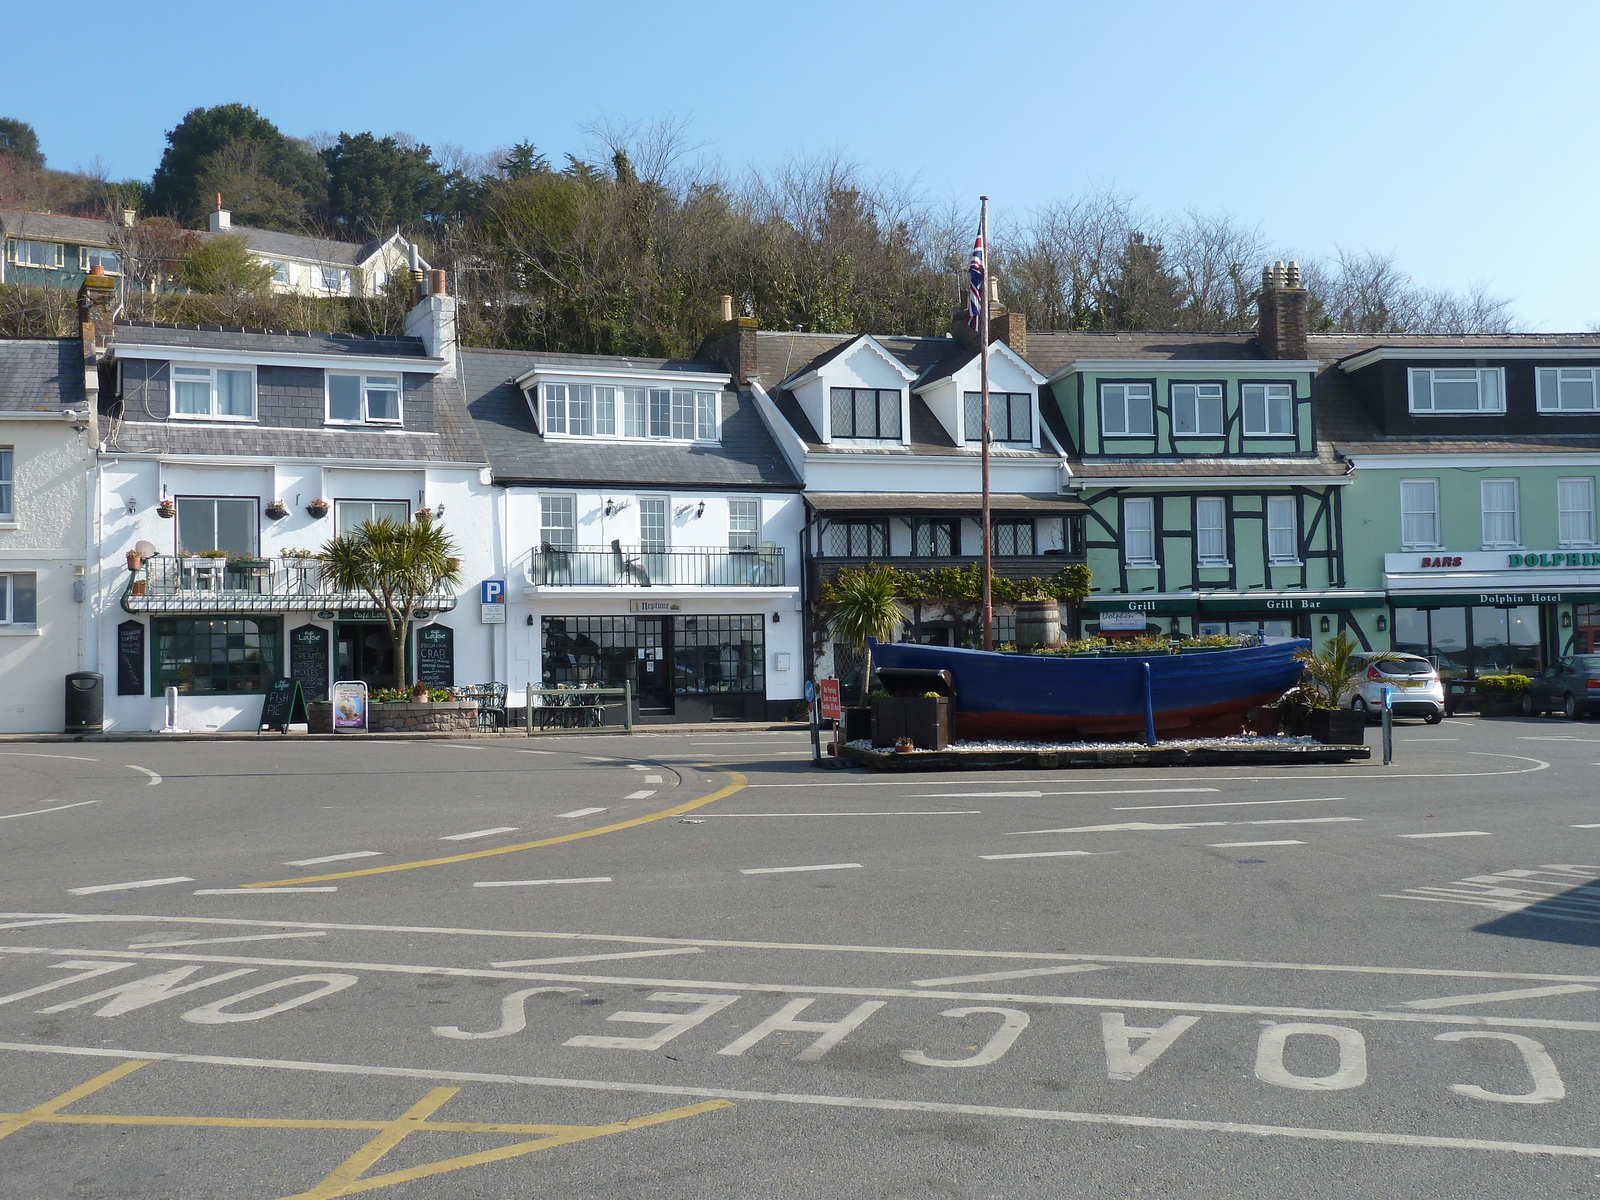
(284, 705)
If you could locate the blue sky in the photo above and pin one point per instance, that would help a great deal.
(1458, 136)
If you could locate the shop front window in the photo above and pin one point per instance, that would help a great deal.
(1271, 626)
(1586, 629)
(718, 654)
(706, 653)
(214, 656)
(1472, 641)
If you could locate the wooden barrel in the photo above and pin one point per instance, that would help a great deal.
(1038, 624)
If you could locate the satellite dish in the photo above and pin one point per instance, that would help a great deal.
(146, 549)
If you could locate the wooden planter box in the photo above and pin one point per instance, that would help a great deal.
(1338, 727)
(1263, 720)
(923, 719)
(1500, 706)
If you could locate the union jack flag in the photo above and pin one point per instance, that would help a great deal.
(975, 272)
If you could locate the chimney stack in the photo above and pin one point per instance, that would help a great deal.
(732, 344)
(434, 317)
(1283, 311)
(129, 217)
(220, 219)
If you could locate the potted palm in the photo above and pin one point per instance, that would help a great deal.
(1329, 675)
(863, 603)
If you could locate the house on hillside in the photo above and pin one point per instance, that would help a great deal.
(45, 250)
(313, 266)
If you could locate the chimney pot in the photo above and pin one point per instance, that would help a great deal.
(1292, 275)
(727, 308)
(219, 201)
(97, 269)
(436, 283)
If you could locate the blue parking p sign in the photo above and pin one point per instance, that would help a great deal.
(494, 591)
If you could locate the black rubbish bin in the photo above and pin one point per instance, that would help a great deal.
(86, 702)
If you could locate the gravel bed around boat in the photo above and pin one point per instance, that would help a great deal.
(1237, 741)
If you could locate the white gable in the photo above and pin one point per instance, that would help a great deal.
(1007, 373)
(864, 364)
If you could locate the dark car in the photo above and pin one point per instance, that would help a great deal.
(1571, 686)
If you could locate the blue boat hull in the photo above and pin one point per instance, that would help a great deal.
(1010, 696)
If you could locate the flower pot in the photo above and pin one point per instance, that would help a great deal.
(1338, 727)
(167, 509)
(318, 510)
(277, 511)
(135, 560)
(138, 587)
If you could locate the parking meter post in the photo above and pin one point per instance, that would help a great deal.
(1388, 728)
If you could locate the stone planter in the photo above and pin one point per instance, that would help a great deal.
(451, 716)
(923, 719)
(1338, 727)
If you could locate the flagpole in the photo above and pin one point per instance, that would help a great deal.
(983, 360)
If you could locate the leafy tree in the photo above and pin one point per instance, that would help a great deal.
(399, 565)
(19, 141)
(375, 184)
(225, 142)
(523, 160)
(1145, 295)
(223, 266)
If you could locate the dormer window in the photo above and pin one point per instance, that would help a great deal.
(872, 413)
(1568, 389)
(1126, 410)
(215, 393)
(1197, 409)
(1457, 390)
(1268, 409)
(592, 410)
(363, 399)
(1010, 417)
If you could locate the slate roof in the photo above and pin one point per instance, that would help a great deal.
(276, 244)
(747, 457)
(271, 341)
(941, 502)
(1049, 350)
(88, 231)
(928, 358)
(41, 374)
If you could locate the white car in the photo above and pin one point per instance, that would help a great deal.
(1414, 686)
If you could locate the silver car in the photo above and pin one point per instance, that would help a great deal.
(1413, 685)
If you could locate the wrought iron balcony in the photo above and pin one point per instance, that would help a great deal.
(636, 566)
(193, 584)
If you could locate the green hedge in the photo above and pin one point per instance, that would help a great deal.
(1506, 687)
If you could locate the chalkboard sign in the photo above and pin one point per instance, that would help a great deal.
(436, 656)
(130, 659)
(283, 706)
(308, 660)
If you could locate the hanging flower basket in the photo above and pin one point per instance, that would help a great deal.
(277, 510)
(167, 509)
(318, 509)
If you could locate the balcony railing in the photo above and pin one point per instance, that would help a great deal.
(256, 585)
(636, 566)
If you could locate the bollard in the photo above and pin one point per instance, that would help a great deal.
(1149, 709)
(527, 714)
(1388, 728)
(172, 711)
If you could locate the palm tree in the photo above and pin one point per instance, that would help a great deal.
(1331, 673)
(865, 605)
(399, 564)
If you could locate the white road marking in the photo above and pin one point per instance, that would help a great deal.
(939, 812)
(35, 754)
(1146, 826)
(637, 767)
(539, 882)
(1310, 1133)
(154, 778)
(1037, 795)
(327, 858)
(477, 833)
(137, 883)
(1350, 1073)
(535, 751)
(1039, 854)
(1069, 969)
(1558, 738)
(1229, 845)
(1452, 833)
(785, 870)
(1497, 997)
(36, 811)
(260, 891)
(654, 779)
(249, 937)
(581, 812)
(640, 795)
(1586, 826)
(720, 943)
(1223, 804)
(578, 958)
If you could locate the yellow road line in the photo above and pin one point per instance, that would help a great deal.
(11, 1122)
(332, 1187)
(274, 1123)
(722, 793)
(346, 1173)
